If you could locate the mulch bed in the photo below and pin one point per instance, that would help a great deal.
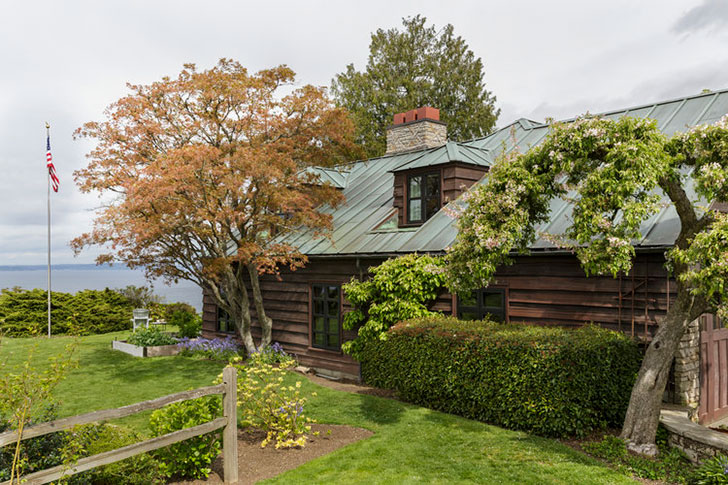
(256, 463)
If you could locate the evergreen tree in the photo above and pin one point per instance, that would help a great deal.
(418, 66)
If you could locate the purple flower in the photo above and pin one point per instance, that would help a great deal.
(214, 348)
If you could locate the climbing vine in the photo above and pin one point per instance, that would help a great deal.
(399, 289)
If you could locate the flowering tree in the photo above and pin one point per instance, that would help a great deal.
(205, 171)
(613, 172)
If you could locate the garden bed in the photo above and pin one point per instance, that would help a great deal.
(137, 351)
(256, 463)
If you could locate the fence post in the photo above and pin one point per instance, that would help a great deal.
(230, 431)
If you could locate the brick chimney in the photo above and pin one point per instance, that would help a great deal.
(416, 129)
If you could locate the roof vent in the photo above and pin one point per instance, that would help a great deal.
(416, 129)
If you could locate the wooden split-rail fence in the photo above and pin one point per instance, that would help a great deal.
(228, 423)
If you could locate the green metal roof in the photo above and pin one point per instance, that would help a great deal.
(449, 152)
(368, 187)
(335, 176)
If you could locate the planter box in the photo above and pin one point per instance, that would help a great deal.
(136, 351)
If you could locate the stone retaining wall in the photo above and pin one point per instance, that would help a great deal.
(698, 442)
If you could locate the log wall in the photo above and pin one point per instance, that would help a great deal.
(546, 290)
(287, 300)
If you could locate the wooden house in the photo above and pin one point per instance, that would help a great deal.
(393, 207)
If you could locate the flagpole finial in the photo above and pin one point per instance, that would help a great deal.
(48, 125)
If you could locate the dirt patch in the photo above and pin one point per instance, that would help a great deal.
(256, 463)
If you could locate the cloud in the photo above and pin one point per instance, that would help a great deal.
(711, 15)
(677, 83)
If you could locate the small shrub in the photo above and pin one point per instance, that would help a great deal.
(150, 337)
(189, 323)
(215, 349)
(273, 354)
(712, 472)
(35, 453)
(171, 308)
(267, 404)
(190, 458)
(547, 381)
(611, 448)
(93, 439)
(26, 393)
(671, 464)
(399, 289)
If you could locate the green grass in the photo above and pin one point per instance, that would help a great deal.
(109, 379)
(410, 445)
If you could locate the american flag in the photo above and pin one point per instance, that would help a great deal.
(51, 168)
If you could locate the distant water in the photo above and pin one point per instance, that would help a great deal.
(71, 278)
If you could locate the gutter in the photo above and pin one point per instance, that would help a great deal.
(532, 252)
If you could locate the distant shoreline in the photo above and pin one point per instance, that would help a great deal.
(61, 267)
(72, 278)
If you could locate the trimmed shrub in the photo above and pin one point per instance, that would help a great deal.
(544, 380)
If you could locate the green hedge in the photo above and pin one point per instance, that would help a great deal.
(544, 380)
(24, 312)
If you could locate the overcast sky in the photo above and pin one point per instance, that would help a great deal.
(66, 61)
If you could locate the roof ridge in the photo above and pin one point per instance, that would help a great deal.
(603, 113)
(657, 103)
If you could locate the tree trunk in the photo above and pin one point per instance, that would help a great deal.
(244, 324)
(232, 296)
(643, 412)
(266, 324)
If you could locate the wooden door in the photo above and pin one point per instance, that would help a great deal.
(713, 370)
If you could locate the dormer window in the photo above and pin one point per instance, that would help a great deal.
(423, 196)
(429, 171)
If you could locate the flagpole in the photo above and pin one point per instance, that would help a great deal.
(48, 134)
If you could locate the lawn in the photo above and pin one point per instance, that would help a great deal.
(410, 445)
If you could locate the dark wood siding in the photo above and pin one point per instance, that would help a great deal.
(287, 302)
(546, 290)
(400, 180)
(456, 178)
(553, 290)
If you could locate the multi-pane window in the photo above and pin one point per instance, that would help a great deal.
(423, 196)
(325, 314)
(478, 304)
(224, 322)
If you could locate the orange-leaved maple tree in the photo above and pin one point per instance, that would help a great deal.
(206, 172)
